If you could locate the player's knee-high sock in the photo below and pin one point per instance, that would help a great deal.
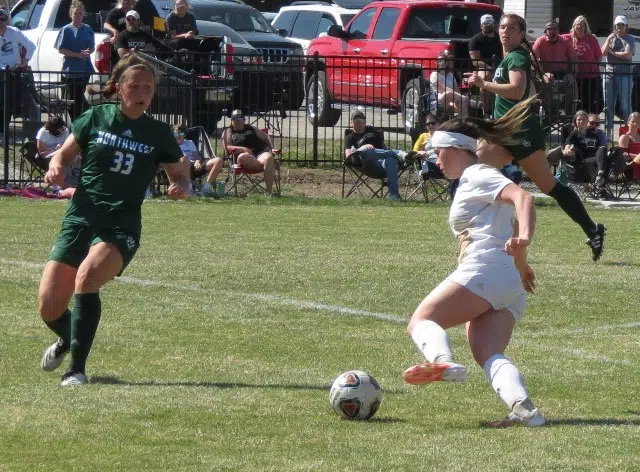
(432, 341)
(84, 323)
(505, 379)
(61, 326)
(570, 202)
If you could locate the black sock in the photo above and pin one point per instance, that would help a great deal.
(62, 326)
(84, 323)
(570, 202)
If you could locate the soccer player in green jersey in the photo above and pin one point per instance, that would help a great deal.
(511, 85)
(121, 149)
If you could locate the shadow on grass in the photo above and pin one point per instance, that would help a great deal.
(621, 264)
(110, 380)
(592, 422)
(386, 419)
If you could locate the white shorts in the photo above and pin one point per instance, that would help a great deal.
(498, 283)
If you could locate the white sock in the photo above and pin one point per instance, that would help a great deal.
(432, 341)
(505, 379)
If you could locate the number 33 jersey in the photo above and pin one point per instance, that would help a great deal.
(120, 157)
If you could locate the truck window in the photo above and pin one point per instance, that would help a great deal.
(36, 14)
(445, 22)
(360, 25)
(285, 21)
(306, 25)
(325, 22)
(386, 23)
(20, 16)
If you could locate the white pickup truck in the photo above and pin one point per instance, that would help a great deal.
(41, 20)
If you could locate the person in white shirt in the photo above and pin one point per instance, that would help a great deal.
(446, 89)
(487, 290)
(12, 46)
(48, 140)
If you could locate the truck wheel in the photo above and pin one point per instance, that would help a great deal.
(325, 110)
(208, 119)
(413, 103)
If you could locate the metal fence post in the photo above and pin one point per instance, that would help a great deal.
(6, 115)
(192, 95)
(316, 63)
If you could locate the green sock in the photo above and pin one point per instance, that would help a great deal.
(84, 323)
(570, 202)
(61, 326)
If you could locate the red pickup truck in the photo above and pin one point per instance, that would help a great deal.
(385, 54)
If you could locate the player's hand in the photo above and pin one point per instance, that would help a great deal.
(528, 278)
(515, 245)
(177, 192)
(474, 79)
(54, 176)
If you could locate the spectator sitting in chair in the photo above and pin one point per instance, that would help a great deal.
(367, 143)
(629, 144)
(133, 38)
(199, 166)
(584, 153)
(48, 140)
(181, 24)
(594, 122)
(116, 23)
(444, 84)
(252, 148)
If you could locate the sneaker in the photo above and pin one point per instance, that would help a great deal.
(596, 242)
(442, 371)
(53, 356)
(74, 378)
(600, 179)
(522, 413)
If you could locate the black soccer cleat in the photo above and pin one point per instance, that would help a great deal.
(596, 242)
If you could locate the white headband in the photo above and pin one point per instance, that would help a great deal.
(445, 139)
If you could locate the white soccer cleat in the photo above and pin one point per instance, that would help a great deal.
(520, 414)
(74, 378)
(53, 356)
(441, 371)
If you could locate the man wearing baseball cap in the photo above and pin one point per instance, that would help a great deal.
(617, 82)
(133, 38)
(553, 52)
(485, 51)
(12, 41)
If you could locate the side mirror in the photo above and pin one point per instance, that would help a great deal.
(283, 32)
(336, 31)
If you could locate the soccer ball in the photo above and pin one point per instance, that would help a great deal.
(355, 395)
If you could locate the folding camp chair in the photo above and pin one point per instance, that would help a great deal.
(624, 182)
(243, 181)
(32, 167)
(365, 182)
(428, 182)
(199, 136)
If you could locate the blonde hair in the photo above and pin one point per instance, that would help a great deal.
(633, 116)
(580, 112)
(587, 29)
(498, 131)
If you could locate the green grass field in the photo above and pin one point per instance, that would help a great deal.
(217, 350)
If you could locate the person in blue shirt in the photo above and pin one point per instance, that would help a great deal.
(76, 42)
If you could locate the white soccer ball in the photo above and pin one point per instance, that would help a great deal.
(355, 395)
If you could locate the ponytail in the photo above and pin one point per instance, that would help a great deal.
(494, 131)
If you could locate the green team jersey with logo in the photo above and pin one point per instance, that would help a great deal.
(120, 157)
(518, 59)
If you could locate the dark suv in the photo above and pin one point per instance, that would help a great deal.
(280, 56)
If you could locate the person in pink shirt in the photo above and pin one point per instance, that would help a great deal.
(557, 59)
(588, 52)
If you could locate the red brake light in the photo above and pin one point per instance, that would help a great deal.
(228, 51)
(103, 58)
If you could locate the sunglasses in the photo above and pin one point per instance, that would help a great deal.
(178, 133)
(594, 123)
(431, 123)
(130, 18)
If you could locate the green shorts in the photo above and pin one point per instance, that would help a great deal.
(528, 140)
(74, 240)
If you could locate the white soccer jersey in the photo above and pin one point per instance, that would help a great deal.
(481, 224)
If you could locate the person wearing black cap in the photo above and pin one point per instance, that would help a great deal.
(252, 148)
(485, 52)
(367, 143)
